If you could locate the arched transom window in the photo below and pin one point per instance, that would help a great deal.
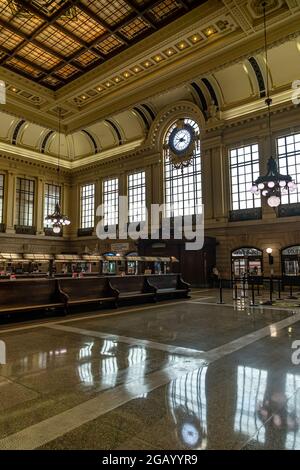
(182, 187)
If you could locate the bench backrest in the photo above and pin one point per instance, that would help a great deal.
(28, 292)
(84, 288)
(170, 281)
(128, 284)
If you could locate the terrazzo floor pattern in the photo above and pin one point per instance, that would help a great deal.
(186, 374)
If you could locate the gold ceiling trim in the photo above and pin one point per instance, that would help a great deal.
(15, 151)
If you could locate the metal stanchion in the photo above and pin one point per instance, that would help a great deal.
(220, 293)
(270, 301)
(253, 304)
(271, 290)
(234, 290)
(243, 294)
(279, 290)
(291, 296)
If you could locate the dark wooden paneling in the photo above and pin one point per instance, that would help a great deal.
(195, 266)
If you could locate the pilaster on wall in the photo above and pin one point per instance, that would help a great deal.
(266, 149)
(98, 200)
(74, 209)
(9, 214)
(215, 179)
(39, 204)
(122, 182)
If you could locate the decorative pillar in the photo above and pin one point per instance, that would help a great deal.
(148, 181)
(73, 207)
(217, 197)
(39, 212)
(207, 184)
(10, 198)
(265, 151)
(98, 200)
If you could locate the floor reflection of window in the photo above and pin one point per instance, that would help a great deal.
(187, 403)
(85, 373)
(109, 371)
(137, 356)
(293, 410)
(108, 347)
(251, 387)
(86, 351)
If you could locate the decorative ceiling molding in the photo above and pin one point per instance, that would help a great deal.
(229, 25)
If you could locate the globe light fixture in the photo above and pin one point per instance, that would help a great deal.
(58, 220)
(273, 184)
(269, 251)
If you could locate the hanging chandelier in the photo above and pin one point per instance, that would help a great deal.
(57, 219)
(273, 184)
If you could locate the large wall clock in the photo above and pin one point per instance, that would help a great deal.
(181, 144)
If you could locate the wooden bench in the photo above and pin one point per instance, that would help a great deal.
(169, 284)
(30, 294)
(132, 287)
(82, 291)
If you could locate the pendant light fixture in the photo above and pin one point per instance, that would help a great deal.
(57, 219)
(273, 184)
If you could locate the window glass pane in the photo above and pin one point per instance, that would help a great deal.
(110, 197)
(288, 152)
(25, 202)
(243, 171)
(1, 197)
(87, 206)
(183, 187)
(137, 197)
(51, 198)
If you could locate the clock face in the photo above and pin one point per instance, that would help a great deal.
(181, 139)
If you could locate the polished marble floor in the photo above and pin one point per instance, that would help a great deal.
(185, 374)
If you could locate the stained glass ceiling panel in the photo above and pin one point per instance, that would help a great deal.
(55, 41)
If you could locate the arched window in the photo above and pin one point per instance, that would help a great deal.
(182, 187)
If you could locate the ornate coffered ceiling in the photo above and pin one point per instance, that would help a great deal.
(52, 42)
(184, 42)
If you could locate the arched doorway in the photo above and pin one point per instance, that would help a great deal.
(247, 261)
(290, 260)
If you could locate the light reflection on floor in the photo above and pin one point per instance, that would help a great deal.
(250, 398)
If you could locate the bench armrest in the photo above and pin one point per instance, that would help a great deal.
(63, 296)
(181, 284)
(150, 287)
(115, 292)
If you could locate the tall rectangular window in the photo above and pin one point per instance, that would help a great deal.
(87, 206)
(137, 197)
(111, 201)
(244, 169)
(51, 198)
(25, 202)
(183, 186)
(288, 151)
(1, 197)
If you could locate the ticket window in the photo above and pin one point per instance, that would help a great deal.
(291, 261)
(157, 267)
(247, 262)
(291, 267)
(109, 267)
(239, 267)
(132, 267)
